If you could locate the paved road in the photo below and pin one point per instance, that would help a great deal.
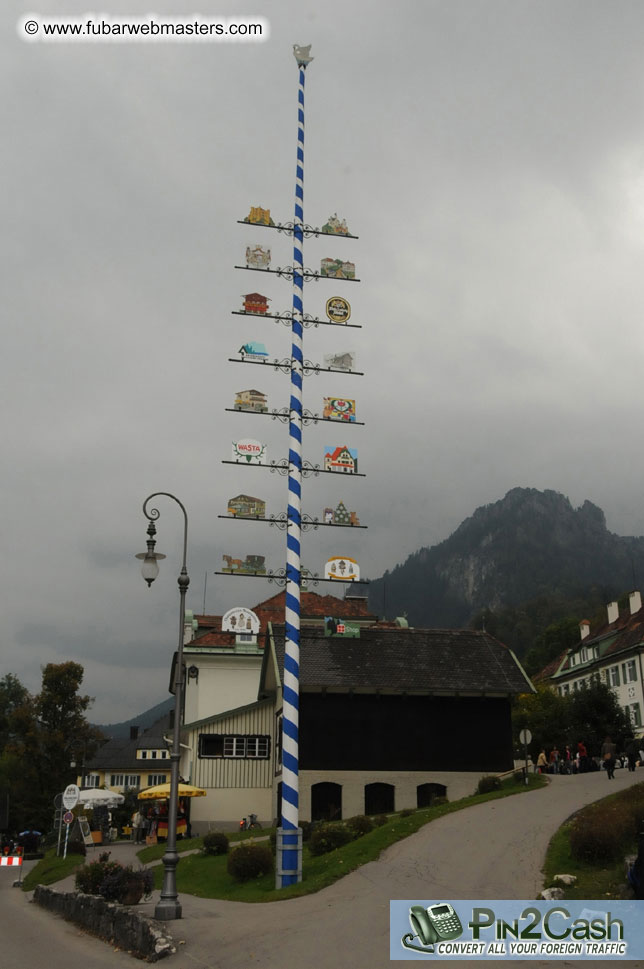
(492, 851)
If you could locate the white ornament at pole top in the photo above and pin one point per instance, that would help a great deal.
(302, 54)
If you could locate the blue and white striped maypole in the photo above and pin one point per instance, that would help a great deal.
(289, 865)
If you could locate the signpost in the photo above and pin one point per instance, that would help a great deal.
(71, 795)
(525, 737)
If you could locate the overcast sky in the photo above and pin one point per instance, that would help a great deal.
(489, 155)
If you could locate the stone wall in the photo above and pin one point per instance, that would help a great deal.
(119, 925)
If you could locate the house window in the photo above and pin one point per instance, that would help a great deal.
(124, 780)
(583, 654)
(211, 745)
(629, 673)
(234, 746)
(632, 711)
(565, 689)
(573, 660)
(251, 746)
(91, 780)
(143, 754)
(164, 754)
(613, 676)
(257, 747)
(156, 779)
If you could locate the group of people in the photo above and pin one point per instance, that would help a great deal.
(145, 824)
(580, 762)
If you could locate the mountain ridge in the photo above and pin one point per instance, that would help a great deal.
(528, 544)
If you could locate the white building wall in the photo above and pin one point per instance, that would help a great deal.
(223, 683)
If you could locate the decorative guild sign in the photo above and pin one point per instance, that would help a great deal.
(259, 216)
(339, 409)
(334, 227)
(251, 400)
(250, 451)
(337, 268)
(342, 567)
(338, 627)
(256, 304)
(245, 506)
(253, 350)
(340, 361)
(340, 516)
(338, 309)
(239, 620)
(251, 565)
(342, 458)
(257, 257)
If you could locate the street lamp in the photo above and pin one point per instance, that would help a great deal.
(168, 907)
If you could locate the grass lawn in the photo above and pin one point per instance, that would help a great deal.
(594, 880)
(206, 875)
(51, 869)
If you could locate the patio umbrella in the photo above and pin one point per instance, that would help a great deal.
(162, 791)
(100, 797)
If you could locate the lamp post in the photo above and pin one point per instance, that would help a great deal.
(168, 907)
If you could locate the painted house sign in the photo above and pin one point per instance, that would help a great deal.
(249, 451)
(337, 268)
(251, 565)
(257, 257)
(245, 506)
(256, 303)
(339, 409)
(342, 458)
(251, 400)
(259, 216)
(340, 361)
(253, 350)
(338, 309)
(338, 627)
(342, 567)
(334, 226)
(240, 620)
(340, 516)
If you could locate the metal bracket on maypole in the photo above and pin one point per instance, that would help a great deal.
(289, 835)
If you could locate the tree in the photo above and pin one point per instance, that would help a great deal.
(45, 733)
(12, 695)
(595, 713)
(590, 715)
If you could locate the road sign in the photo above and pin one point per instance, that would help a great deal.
(525, 736)
(70, 796)
(68, 817)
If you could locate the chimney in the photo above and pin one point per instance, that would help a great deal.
(584, 628)
(134, 733)
(635, 602)
(613, 612)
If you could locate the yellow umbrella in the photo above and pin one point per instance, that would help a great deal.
(162, 791)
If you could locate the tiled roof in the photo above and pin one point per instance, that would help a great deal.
(313, 606)
(119, 753)
(406, 660)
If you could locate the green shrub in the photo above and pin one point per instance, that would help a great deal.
(215, 843)
(120, 880)
(519, 777)
(406, 812)
(307, 828)
(380, 819)
(488, 783)
(440, 799)
(600, 832)
(359, 825)
(250, 860)
(90, 877)
(328, 837)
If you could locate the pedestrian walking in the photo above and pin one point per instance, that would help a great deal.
(608, 755)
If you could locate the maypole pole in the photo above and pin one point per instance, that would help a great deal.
(289, 868)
